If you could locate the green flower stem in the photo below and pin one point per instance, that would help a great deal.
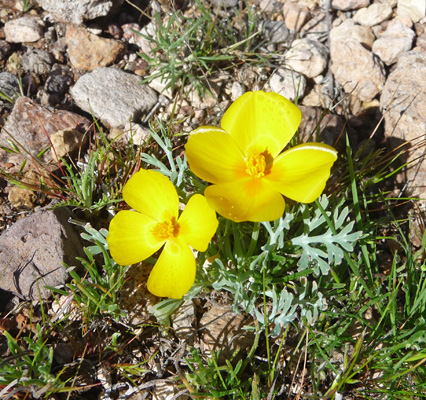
(254, 238)
(239, 248)
(265, 313)
(228, 250)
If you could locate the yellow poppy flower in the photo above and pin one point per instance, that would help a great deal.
(244, 159)
(136, 235)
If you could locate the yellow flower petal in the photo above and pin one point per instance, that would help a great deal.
(198, 223)
(302, 172)
(152, 194)
(213, 155)
(130, 237)
(174, 272)
(250, 200)
(259, 121)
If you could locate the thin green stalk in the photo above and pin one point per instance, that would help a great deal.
(357, 210)
(265, 314)
(254, 238)
(239, 248)
(274, 365)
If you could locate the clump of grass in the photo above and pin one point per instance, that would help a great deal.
(187, 51)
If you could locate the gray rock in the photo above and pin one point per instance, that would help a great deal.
(397, 39)
(57, 85)
(316, 28)
(296, 14)
(356, 69)
(373, 15)
(225, 3)
(33, 251)
(221, 328)
(78, 11)
(37, 61)
(93, 93)
(136, 134)
(149, 30)
(183, 320)
(403, 103)
(346, 5)
(237, 90)
(22, 30)
(275, 31)
(349, 29)
(9, 85)
(415, 9)
(5, 49)
(289, 84)
(307, 57)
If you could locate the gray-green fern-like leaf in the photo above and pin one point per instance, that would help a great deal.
(319, 251)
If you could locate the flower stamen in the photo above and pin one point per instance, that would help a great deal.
(167, 229)
(258, 165)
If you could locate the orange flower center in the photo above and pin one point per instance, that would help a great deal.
(167, 229)
(259, 165)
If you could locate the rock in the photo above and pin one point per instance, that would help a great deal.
(316, 28)
(134, 297)
(318, 96)
(37, 61)
(130, 33)
(307, 57)
(415, 9)
(356, 69)
(208, 99)
(78, 11)
(295, 13)
(88, 51)
(21, 198)
(275, 31)
(397, 39)
(373, 15)
(225, 3)
(129, 102)
(24, 30)
(5, 49)
(30, 124)
(237, 90)
(266, 6)
(403, 103)
(349, 29)
(14, 63)
(160, 85)
(288, 83)
(33, 251)
(183, 320)
(57, 85)
(346, 5)
(136, 134)
(9, 85)
(221, 329)
(66, 141)
(421, 42)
